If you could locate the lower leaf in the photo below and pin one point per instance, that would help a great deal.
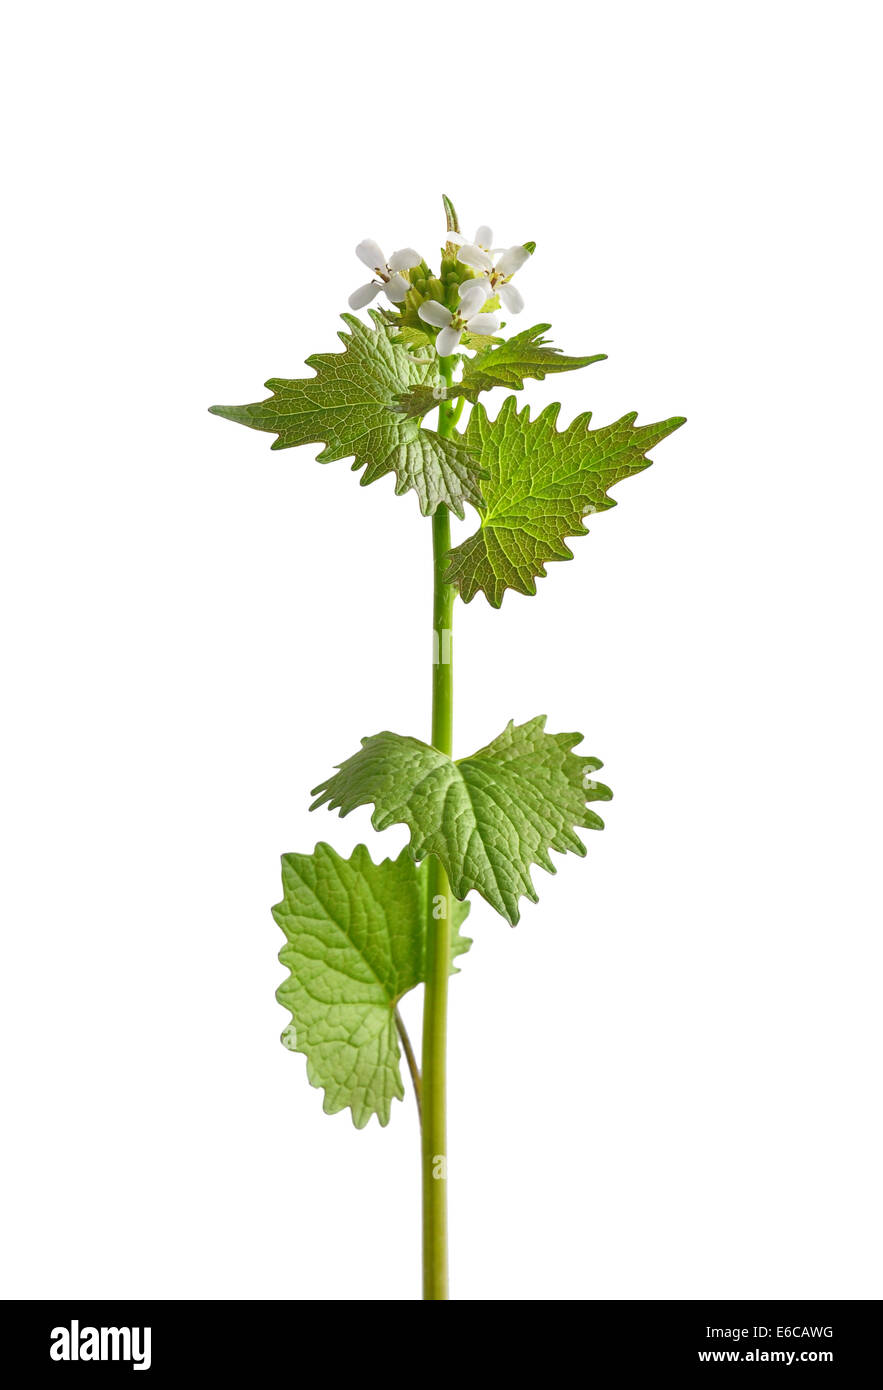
(356, 938)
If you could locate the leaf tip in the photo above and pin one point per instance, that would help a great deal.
(451, 221)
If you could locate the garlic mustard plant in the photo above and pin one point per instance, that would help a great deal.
(360, 935)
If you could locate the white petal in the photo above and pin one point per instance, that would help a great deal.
(436, 314)
(511, 297)
(484, 237)
(476, 258)
(484, 323)
(447, 341)
(512, 260)
(405, 259)
(396, 288)
(363, 295)
(480, 282)
(456, 237)
(473, 294)
(370, 254)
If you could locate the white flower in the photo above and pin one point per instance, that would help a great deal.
(480, 256)
(473, 294)
(394, 285)
(483, 239)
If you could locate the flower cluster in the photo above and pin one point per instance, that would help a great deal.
(483, 285)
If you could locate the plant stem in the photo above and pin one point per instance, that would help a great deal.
(438, 939)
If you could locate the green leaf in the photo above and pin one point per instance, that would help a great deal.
(504, 363)
(452, 222)
(356, 935)
(351, 406)
(541, 483)
(488, 818)
(527, 354)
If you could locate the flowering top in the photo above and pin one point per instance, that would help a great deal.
(466, 295)
(391, 281)
(435, 345)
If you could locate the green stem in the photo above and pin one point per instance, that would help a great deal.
(438, 940)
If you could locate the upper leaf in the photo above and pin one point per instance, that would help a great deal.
(526, 354)
(356, 943)
(351, 406)
(541, 483)
(507, 363)
(488, 818)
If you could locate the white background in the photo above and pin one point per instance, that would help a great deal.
(665, 1081)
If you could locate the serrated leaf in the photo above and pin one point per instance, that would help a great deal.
(506, 363)
(541, 483)
(356, 937)
(420, 400)
(480, 342)
(488, 818)
(526, 354)
(351, 406)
